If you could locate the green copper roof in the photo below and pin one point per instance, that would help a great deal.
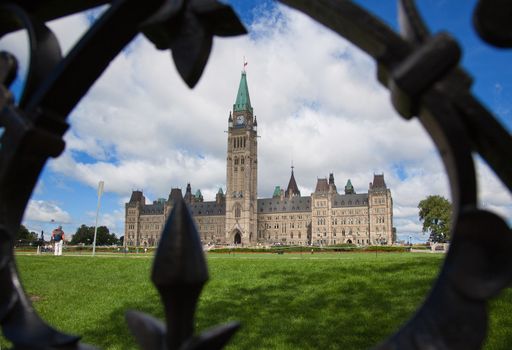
(220, 191)
(349, 189)
(243, 101)
(277, 191)
(198, 193)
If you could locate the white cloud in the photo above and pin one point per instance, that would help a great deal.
(493, 195)
(114, 221)
(317, 101)
(43, 211)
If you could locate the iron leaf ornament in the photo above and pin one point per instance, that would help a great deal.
(179, 274)
(187, 28)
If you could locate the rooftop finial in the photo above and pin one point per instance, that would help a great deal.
(245, 64)
(292, 166)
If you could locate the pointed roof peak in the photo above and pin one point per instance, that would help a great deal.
(293, 189)
(349, 189)
(331, 178)
(243, 101)
(378, 181)
(322, 185)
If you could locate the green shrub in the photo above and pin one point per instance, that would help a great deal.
(386, 248)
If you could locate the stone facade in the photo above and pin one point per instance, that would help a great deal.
(240, 217)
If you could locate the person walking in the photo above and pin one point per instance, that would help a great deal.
(58, 238)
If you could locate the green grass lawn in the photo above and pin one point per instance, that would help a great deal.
(289, 301)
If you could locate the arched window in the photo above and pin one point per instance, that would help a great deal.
(238, 211)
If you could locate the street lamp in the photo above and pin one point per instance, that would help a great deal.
(100, 192)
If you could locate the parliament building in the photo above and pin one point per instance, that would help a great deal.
(326, 217)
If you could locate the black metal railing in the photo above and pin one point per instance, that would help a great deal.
(478, 265)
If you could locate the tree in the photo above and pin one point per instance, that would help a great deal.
(25, 235)
(436, 212)
(85, 234)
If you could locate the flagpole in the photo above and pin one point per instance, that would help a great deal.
(100, 192)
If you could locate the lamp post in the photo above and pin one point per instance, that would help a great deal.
(100, 192)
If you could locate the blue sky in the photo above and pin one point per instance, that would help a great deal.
(317, 103)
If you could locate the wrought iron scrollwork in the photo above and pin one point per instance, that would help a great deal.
(478, 265)
(33, 131)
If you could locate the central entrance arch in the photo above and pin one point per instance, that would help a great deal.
(238, 238)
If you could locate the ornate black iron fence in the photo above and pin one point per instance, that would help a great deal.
(479, 263)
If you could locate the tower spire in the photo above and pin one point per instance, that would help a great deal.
(293, 189)
(243, 101)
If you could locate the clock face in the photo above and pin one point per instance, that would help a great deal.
(240, 120)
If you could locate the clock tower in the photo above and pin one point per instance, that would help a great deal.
(242, 170)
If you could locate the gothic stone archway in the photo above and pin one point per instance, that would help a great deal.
(237, 238)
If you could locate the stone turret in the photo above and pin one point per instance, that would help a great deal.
(132, 213)
(230, 120)
(381, 211)
(332, 185)
(220, 198)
